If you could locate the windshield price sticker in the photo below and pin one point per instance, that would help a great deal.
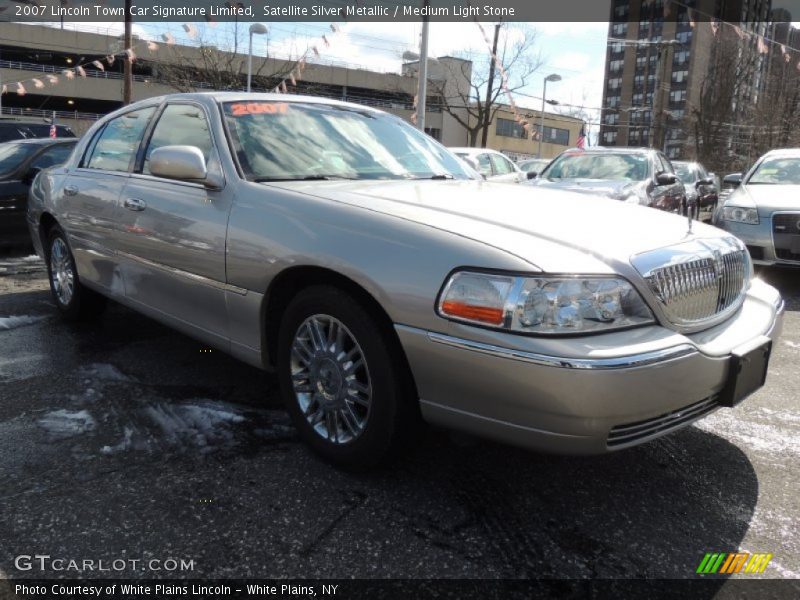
(241, 109)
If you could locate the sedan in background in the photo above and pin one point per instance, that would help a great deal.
(764, 209)
(19, 130)
(493, 165)
(701, 191)
(20, 161)
(633, 175)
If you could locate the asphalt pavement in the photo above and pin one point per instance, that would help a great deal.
(122, 439)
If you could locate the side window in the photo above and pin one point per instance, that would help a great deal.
(182, 125)
(663, 164)
(484, 166)
(115, 149)
(502, 165)
(53, 156)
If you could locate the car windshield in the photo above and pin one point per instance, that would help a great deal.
(11, 155)
(575, 165)
(783, 171)
(286, 141)
(533, 165)
(684, 172)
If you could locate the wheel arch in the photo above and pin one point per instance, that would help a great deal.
(287, 284)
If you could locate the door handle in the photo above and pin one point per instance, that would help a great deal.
(135, 204)
(71, 190)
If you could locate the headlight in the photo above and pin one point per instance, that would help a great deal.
(543, 305)
(740, 214)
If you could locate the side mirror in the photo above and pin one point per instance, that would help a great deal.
(185, 163)
(734, 179)
(28, 178)
(705, 181)
(666, 178)
(532, 175)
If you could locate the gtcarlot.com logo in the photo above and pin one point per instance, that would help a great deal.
(45, 562)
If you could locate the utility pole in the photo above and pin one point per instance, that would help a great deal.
(127, 85)
(487, 107)
(655, 135)
(422, 86)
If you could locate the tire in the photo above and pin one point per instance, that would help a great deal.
(74, 301)
(343, 379)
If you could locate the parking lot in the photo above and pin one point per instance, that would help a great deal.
(124, 439)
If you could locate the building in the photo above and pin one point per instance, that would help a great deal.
(658, 58)
(510, 138)
(36, 51)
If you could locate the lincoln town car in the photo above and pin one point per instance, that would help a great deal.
(387, 285)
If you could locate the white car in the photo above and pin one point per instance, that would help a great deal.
(493, 165)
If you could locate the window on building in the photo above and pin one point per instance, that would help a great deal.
(617, 47)
(637, 98)
(556, 135)
(680, 76)
(677, 95)
(434, 132)
(684, 37)
(116, 146)
(676, 115)
(611, 118)
(681, 57)
(615, 83)
(613, 101)
(509, 128)
(638, 81)
(615, 65)
(619, 29)
(610, 137)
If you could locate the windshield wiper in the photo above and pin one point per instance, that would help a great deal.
(306, 178)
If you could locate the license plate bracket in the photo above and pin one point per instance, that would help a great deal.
(747, 372)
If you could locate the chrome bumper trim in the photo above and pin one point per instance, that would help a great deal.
(621, 362)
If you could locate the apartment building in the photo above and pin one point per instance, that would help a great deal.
(658, 57)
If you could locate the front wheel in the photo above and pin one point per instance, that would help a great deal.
(342, 380)
(75, 301)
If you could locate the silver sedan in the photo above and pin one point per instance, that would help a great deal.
(764, 209)
(359, 259)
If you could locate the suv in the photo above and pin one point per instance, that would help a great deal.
(636, 175)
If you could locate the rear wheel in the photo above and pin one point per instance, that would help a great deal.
(75, 301)
(342, 380)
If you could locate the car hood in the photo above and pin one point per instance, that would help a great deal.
(600, 187)
(766, 197)
(550, 229)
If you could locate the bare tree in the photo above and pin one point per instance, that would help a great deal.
(210, 65)
(470, 90)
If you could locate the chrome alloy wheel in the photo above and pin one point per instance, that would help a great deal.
(331, 379)
(61, 272)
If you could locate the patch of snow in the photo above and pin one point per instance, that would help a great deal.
(103, 371)
(7, 323)
(32, 258)
(761, 437)
(792, 344)
(63, 423)
(198, 426)
(123, 445)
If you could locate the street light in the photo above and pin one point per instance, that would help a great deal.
(255, 29)
(552, 77)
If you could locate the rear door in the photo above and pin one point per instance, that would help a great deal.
(173, 232)
(89, 200)
(504, 169)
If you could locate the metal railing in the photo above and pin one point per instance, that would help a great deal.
(47, 114)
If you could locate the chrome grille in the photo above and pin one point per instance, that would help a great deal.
(630, 434)
(697, 281)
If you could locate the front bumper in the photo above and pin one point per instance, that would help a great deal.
(581, 395)
(761, 242)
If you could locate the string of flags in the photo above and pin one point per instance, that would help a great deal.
(130, 54)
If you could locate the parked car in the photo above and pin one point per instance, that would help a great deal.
(632, 175)
(764, 208)
(701, 190)
(354, 255)
(18, 130)
(19, 163)
(494, 166)
(533, 166)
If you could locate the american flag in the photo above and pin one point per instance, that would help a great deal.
(581, 143)
(53, 132)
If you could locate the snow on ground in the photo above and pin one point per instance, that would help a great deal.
(777, 438)
(791, 344)
(13, 322)
(63, 423)
(103, 372)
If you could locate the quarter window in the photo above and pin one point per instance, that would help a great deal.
(56, 155)
(502, 165)
(115, 149)
(182, 125)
